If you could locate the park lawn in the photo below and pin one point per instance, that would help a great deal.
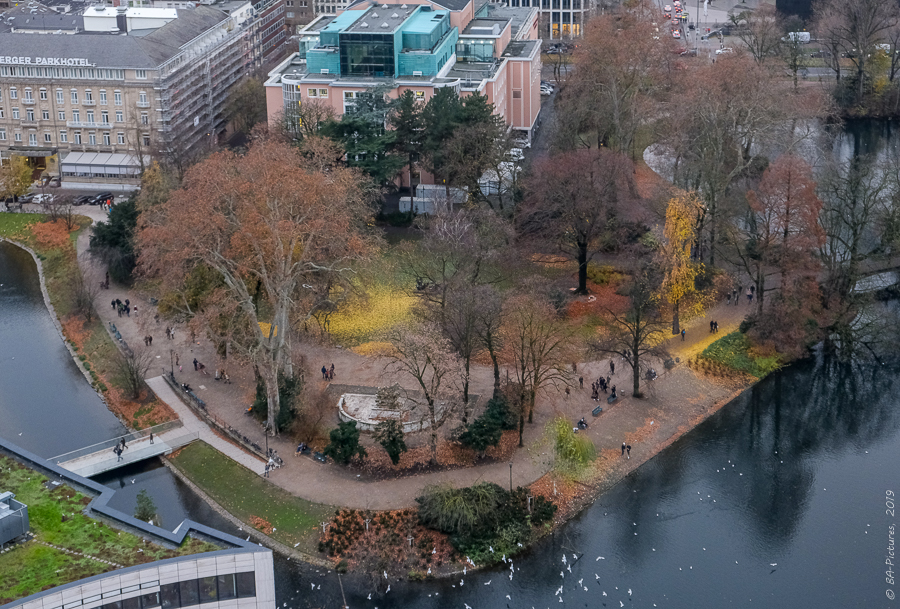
(55, 517)
(13, 226)
(249, 497)
(735, 351)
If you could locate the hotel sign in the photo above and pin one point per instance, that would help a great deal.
(45, 61)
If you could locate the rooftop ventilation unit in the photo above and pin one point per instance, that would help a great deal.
(384, 6)
(363, 24)
(395, 16)
(403, 6)
(417, 72)
(385, 24)
(374, 14)
(323, 71)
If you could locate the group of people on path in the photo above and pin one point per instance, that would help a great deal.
(328, 373)
(123, 308)
(735, 295)
(603, 384)
(119, 448)
(713, 327)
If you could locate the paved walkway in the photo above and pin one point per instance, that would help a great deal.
(673, 403)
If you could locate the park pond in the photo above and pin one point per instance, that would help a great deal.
(778, 500)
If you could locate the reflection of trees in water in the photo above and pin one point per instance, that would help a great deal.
(816, 408)
(798, 416)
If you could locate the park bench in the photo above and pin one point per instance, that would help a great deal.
(596, 411)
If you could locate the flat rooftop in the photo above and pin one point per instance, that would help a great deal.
(521, 48)
(381, 19)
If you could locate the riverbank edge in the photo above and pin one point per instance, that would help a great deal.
(54, 317)
(255, 534)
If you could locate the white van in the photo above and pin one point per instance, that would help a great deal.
(801, 37)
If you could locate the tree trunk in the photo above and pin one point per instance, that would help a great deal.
(273, 399)
(676, 326)
(582, 268)
(532, 397)
(465, 417)
(496, 363)
(433, 431)
(521, 427)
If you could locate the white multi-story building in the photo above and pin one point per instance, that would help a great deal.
(93, 106)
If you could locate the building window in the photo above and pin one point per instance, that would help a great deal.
(323, 92)
(2, 135)
(289, 3)
(119, 116)
(78, 137)
(32, 139)
(87, 95)
(117, 98)
(29, 114)
(59, 96)
(76, 116)
(145, 118)
(146, 139)
(74, 96)
(63, 136)
(1, 95)
(16, 113)
(47, 137)
(120, 137)
(61, 115)
(142, 97)
(106, 140)
(312, 92)
(92, 138)
(17, 137)
(1, 111)
(90, 116)
(45, 114)
(13, 93)
(140, 74)
(102, 98)
(43, 94)
(104, 117)
(517, 94)
(289, 14)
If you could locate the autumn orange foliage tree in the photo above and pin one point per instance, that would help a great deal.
(277, 227)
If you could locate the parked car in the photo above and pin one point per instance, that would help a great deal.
(724, 51)
(83, 200)
(102, 198)
(43, 198)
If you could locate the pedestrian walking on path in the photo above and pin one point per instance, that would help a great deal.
(331, 373)
(581, 382)
(682, 334)
(118, 453)
(612, 367)
(324, 373)
(195, 364)
(623, 448)
(712, 325)
(151, 437)
(628, 451)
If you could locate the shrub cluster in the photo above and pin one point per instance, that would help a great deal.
(483, 517)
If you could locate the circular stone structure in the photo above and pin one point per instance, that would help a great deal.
(361, 407)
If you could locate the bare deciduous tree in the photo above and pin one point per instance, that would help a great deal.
(131, 367)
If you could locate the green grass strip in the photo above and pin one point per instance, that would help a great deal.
(245, 495)
(733, 350)
(13, 225)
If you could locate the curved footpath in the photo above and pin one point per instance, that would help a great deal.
(675, 402)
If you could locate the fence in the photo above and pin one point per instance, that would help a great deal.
(109, 444)
(199, 407)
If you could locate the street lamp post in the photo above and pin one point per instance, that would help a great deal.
(172, 361)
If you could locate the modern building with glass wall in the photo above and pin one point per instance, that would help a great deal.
(238, 576)
(475, 46)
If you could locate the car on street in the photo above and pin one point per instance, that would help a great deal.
(676, 34)
(667, 9)
(102, 198)
(83, 200)
(42, 198)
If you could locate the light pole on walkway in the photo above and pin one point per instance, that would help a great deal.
(172, 361)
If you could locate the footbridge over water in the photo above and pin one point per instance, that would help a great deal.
(139, 445)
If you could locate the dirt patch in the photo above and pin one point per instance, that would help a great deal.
(140, 413)
(73, 328)
(52, 235)
(261, 524)
(643, 433)
(450, 455)
(391, 542)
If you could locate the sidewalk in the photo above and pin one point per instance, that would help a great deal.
(673, 402)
